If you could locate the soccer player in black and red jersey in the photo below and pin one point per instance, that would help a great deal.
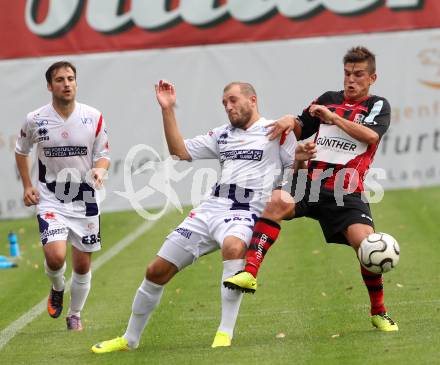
(348, 125)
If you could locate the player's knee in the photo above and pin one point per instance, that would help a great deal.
(160, 272)
(55, 262)
(233, 249)
(280, 206)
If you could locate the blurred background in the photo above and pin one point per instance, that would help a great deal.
(290, 50)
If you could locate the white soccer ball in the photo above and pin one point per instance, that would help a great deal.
(379, 252)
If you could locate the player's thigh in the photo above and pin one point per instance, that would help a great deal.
(233, 231)
(184, 246)
(280, 206)
(84, 233)
(356, 233)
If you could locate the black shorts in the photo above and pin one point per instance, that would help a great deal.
(334, 219)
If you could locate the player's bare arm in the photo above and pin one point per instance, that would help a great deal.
(355, 130)
(285, 124)
(31, 195)
(100, 172)
(166, 97)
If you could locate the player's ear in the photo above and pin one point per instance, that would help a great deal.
(373, 78)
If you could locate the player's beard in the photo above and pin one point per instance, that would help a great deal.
(242, 119)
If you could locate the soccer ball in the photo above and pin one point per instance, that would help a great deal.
(379, 252)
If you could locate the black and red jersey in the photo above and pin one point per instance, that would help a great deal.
(336, 149)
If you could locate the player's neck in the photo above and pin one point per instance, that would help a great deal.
(252, 120)
(356, 99)
(64, 109)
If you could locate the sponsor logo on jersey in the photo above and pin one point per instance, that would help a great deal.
(52, 232)
(222, 138)
(65, 135)
(91, 240)
(41, 123)
(238, 219)
(65, 151)
(184, 232)
(336, 143)
(254, 155)
(359, 118)
(42, 132)
(86, 121)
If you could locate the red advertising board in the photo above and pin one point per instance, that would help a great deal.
(32, 28)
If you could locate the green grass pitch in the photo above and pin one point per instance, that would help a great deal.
(311, 306)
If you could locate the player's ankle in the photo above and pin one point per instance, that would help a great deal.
(251, 269)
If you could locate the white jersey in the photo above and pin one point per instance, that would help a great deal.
(66, 151)
(251, 164)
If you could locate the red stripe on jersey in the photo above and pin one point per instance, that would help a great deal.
(283, 138)
(346, 107)
(98, 128)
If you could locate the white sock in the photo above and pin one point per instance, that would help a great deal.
(231, 299)
(145, 301)
(79, 290)
(56, 277)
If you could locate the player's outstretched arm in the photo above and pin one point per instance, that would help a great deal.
(166, 97)
(285, 124)
(31, 195)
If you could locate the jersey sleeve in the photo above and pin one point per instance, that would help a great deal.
(309, 124)
(100, 146)
(203, 146)
(379, 116)
(287, 150)
(24, 143)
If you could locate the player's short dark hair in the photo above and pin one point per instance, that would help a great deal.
(245, 88)
(361, 54)
(56, 66)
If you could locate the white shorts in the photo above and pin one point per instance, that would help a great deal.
(204, 231)
(83, 233)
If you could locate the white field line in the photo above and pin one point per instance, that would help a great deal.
(9, 332)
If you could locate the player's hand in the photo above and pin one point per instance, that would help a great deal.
(283, 125)
(98, 175)
(165, 94)
(31, 196)
(305, 151)
(323, 113)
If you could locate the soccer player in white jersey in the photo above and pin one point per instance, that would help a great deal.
(73, 158)
(250, 165)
